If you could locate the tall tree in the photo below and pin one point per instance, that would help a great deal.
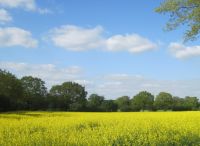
(164, 101)
(72, 96)
(123, 103)
(191, 103)
(57, 100)
(143, 101)
(109, 106)
(10, 91)
(182, 12)
(94, 102)
(34, 92)
(178, 104)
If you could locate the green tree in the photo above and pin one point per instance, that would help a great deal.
(108, 106)
(10, 91)
(94, 102)
(164, 101)
(123, 103)
(178, 104)
(34, 92)
(191, 103)
(182, 12)
(142, 101)
(57, 99)
(70, 95)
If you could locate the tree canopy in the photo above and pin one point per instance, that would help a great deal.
(143, 101)
(123, 103)
(164, 101)
(10, 91)
(71, 95)
(182, 12)
(34, 92)
(95, 102)
(30, 93)
(33, 87)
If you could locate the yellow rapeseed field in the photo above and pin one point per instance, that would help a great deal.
(100, 129)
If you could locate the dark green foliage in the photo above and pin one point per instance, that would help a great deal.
(94, 102)
(70, 95)
(123, 103)
(164, 101)
(58, 99)
(30, 93)
(142, 101)
(10, 91)
(99, 104)
(5, 104)
(178, 104)
(191, 103)
(183, 104)
(109, 106)
(34, 93)
(55, 103)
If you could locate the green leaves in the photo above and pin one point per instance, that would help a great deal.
(10, 91)
(182, 12)
(71, 95)
(143, 101)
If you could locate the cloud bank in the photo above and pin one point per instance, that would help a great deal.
(13, 36)
(5, 17)
(76, 38)
(133, 43)
(181, 51)
(29, 5)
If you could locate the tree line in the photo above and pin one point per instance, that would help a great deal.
(30, 93)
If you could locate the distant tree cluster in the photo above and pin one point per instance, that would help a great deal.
(30, 93)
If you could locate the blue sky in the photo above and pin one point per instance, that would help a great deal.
(113, 48)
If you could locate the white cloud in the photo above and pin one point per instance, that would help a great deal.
(4, 16)
(84, 82)
(44, 11)
(13, 36)
(121, 77)
(181, 51)
(48, 72)
(76, 38)
(29, 5)
(25, 4)
(132, 43)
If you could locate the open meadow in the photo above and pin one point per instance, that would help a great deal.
(99, 129)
